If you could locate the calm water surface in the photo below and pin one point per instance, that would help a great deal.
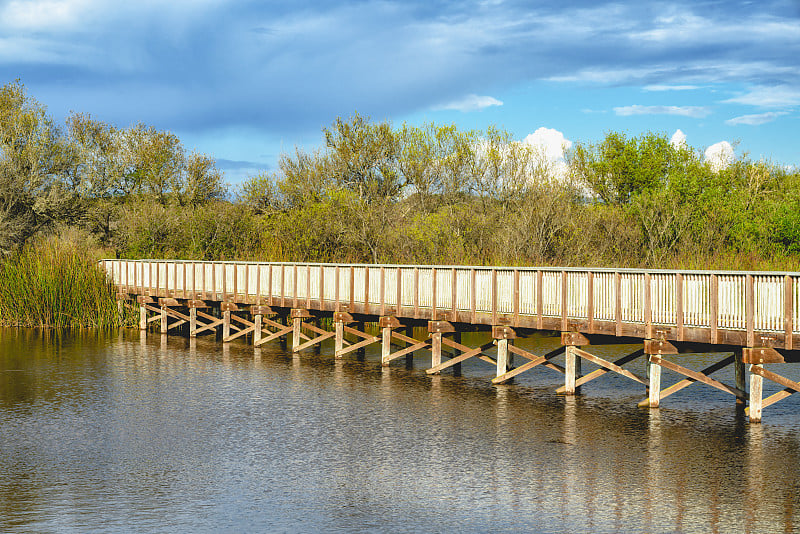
(120, 432)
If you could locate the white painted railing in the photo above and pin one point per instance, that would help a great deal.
(758, 301)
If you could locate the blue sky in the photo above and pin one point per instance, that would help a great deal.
(245, 80)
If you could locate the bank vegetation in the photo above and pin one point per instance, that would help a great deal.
(374, 192)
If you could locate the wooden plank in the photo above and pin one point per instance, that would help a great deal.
(714, 308)
(618, 302)
(383, 292)
(749, 303)
(600, 372)
(415, 295)
(699, 377)
(778, 379)
(403, 337)
(590, 300)
(358, 333)
(421, 345)
(453, 295)
(458, 359)
(494, 296)
(564, 290)
(539, 300)
(399, 282)
(788, 312)
(238, 334)
(473, 296)
(366, 289)
(433, 296)
(689, 381)
(463, 348)
(274, 335)
(352, 288)
(369, 341)
(648, 306)
(534, 361)
(515, 303)
(772, 399)
(283, 286)
(314, 341)
(337, 304)
(294, 287)
(679, 306)
(321, 287)
(609, 365)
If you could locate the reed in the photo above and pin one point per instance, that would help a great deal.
(58, 284)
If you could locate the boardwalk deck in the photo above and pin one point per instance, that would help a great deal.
(720, 311)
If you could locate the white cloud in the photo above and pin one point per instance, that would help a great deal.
(719, 155)
(756, 118)
(684, 111)
(670, 87)
(678, 139)
(549, 146)
(550, 142)
(472, 103)
(768, 97)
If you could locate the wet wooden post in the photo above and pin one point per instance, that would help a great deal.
(410, 355)
(756, 386)
(739, 373)
(387, 324)
(298, 315)
(572, 363)
(257, 328)
(436, 349)
(164, 321)
(142, 317)
(192, 321)
(654, 388)
(339, 319)
(226, 325)
(503, 336)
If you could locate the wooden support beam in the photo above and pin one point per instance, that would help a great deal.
(417, 345)
(386, 345)
(534, 361)
(369, 340)
(654, 393)
(688, 381)
(570, 370)
(192, 322)
(339, 336)
(226, 325)
(142, 317)
(257, 326)
(609, 365)
(436, 351)
(239, 334)
(458, 359)
(505, 358)
(756, 395)
(697, 376)
(600, 372)
(463, 348)
(314, 341)
(274, 335)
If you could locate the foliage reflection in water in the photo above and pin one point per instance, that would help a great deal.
(117, 432)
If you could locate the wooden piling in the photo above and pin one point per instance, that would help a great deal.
(570, 370)
(257, 330)
(226, 325)
(436, 349)
(756, 385)
(192, 321)
(654, 392)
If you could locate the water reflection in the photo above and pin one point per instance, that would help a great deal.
(100, 432)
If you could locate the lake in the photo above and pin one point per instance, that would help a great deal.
(121, 432)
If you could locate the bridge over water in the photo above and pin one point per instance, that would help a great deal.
(750, 318)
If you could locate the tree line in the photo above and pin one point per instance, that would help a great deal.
(375, 192)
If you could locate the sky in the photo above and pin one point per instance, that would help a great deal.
(244, 81)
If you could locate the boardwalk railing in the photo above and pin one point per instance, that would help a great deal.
(736, 308)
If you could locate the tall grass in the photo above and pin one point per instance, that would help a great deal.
(55, 283)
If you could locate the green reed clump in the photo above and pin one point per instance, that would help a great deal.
(52, 283)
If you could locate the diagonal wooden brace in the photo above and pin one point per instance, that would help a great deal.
(464, 348)
(368, 340)
(697, 376)
(418, 345)
(213, 322)
(240, 333)
(460, 358)
(677, 386)
(603, 370)
(314, 341)
(610, 366)
(274, 335)
(358, 333)
(534, 361)
(790, 385)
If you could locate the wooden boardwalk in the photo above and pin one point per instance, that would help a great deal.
(751, 317)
